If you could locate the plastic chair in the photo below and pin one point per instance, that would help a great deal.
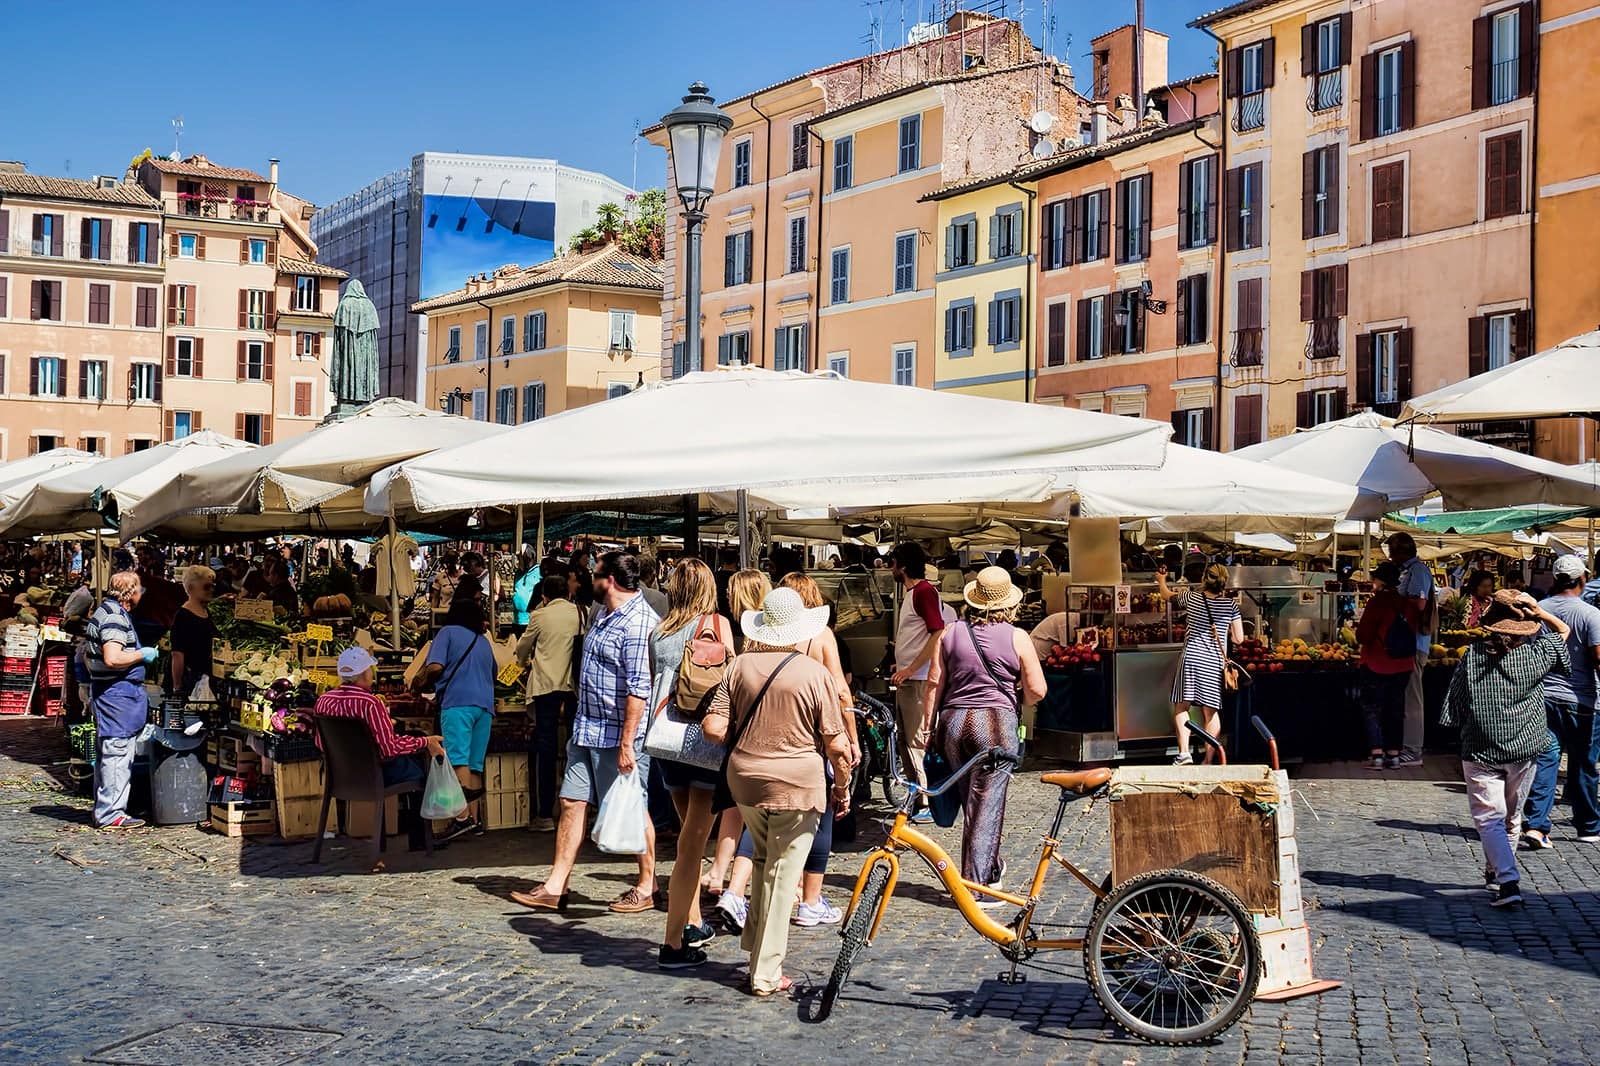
(353, 770)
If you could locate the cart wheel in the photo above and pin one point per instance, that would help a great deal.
(1173, 957)
(857, 924)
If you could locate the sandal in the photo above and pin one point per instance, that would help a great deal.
(633, 902)
(785, 983)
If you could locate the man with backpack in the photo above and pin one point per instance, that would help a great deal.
(1569, 704)
(1416, 587)
(1388, 657)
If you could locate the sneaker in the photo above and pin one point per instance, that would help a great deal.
(1183, 760)
(734, 910)
(819, 913)
(542, 825)
(1391, 762)
(1588, 838)
(695, 936)
(1509, 893)
(123, 821)
(1408, 758)
(922, 817)
(684, 958)
(459, 828)
(1377, 762)
(1533, 840)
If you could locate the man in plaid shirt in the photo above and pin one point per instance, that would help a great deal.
(608, 734)
(1497, 697)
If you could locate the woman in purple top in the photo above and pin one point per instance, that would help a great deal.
(983, 670)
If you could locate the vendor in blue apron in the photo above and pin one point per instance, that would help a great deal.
(117, 664)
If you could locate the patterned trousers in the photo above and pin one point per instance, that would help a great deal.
(962, 733)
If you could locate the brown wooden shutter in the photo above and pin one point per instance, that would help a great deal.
(1269, 62)
(1477, 345)
(1511, 162)
(244, 250)
(1070, 229)
(244, 307)
(243, 372)
(200, 246)
(172, 305)
(1136, 309)
(302, 399)
(316, 344)
(1369, 96)
(1408, 84)
(266, 361)
(1494, 177)
(272, 253)
(1147, 196)
(1105, 217)
(1344, 39)
(171, 425)
(1308, 194)
(1213, 176)
(1330, 160)
(1365, 393)
(133, 242)
(132, 373)
(1304, 410)
(1122, 221)
(196, 419)
(1200, 307)
(1482, 60)
(1402, 365)
(1527, 48)
(104, 250)
(1340, 279)
(192, 304)
(1182, 316)
(33, 375)
(1080, 227)
(1180, 427)
(1308, 295)
(1185, 175)
(5, 232)
(172, 355)
(5, 293)
(160, 377)
(152, 247)
(1233, 72)
(172, 245)
(1246, 421)
(1083, 330)
(1107, 320)
(266, 429)
(57, 235)
(272, 309)
(35, 299)
(1056, 346)
(1308, 50)
(238, 426)
(1230, 207)
(199, 357)
(86, 238)
(1521, 334)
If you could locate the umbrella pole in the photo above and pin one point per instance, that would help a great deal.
(744, 529)
(516, 544)
(394, 588)
(1590, 551)
(1366, 546)
(100, 564)
(538, 545)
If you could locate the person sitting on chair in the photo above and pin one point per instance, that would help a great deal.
(354, 699)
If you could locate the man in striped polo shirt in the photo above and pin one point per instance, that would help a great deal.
(354, 699)
(116, 693)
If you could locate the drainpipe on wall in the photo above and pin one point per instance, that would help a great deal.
(766, 234)
(1222, 233)
(816, 298)
(1533, 242)
(488, 370)
(1027, 304)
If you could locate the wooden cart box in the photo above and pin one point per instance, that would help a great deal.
(1220, 821)
(506, 801)
(244, 819)
(297, 798)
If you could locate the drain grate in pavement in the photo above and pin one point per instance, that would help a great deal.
(238, 1045)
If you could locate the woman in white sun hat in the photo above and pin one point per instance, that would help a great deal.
(984, 668)
(778, 712)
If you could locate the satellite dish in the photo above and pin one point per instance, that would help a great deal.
(1044, 149)
(176, 157)
(1042, 122)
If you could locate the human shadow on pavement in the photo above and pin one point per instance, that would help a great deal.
(1443, 829)
(605, 944)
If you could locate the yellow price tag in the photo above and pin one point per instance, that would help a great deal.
(323, 679)
(319, 632)
(509, 673)
(297, 638)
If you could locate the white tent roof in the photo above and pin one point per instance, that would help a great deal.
(312, 482)
(1557, 382)
(23, 472)
(793, 440)
(1409, 463)
(83, 495)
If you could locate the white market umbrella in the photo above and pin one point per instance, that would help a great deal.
(1558, 382)
(89, 496)
(792, 441)
(1410, 463)
(312, 482)
(22, 473)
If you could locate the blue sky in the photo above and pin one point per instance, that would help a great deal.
(342, 99)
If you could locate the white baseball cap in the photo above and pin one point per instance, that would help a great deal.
(1570, 566)
(353, 662)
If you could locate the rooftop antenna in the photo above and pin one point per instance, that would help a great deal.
(177, 132)
(635, 185)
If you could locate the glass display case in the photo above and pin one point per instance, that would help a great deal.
(863, 614)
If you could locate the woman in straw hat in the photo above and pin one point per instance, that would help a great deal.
(983, 670)
(778, 712)
(1497, 697)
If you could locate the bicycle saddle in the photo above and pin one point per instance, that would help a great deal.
(1079, 781)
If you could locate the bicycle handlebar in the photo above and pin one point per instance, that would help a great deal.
(994, 754)
(1222, 755)
(877, 708)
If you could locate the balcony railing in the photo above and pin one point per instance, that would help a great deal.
(1322, 339)
(1504, 80)
(1246, 347)
(1250, 113)
(1387, 408)
(1327, 91)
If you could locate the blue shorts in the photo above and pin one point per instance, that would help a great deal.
(466, 735)
(592, 771)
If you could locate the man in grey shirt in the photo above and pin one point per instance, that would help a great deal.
(1569, 703)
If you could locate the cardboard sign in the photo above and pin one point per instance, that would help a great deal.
(253, 610)
(319, 632)
(1124, 599)
(1096, 547)
(509, 673)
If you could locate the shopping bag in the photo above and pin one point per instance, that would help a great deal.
(441, 794)
(678, 738)
(619, 827)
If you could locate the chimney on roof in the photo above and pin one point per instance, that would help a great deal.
(13, 166)
(1127, 117)
(272, 171)
(1099, 121)
(198, 160)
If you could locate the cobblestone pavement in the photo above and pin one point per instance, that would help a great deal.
(164, 935)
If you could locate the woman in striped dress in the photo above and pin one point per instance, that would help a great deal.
(1213, 625)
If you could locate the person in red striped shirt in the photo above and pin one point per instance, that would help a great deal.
(353, 698)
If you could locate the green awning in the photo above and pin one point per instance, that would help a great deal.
(1497, 520)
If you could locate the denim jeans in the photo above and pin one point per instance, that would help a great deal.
(113, 776)
(1383, 698)
(1572, 731)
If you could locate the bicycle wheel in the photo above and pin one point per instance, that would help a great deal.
(854, 934)
(1173, 957)
(893, 794)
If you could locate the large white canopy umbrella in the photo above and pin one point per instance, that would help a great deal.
(1556, 383)
(790, 440)
(89, 496)
(311, 483)
(25, 471)
(1410, 463)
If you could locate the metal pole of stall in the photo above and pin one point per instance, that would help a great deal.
(744, 529)
(394, 587)
(538, 540)
(516, 541)
(1366, 547)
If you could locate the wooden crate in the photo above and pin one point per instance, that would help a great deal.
(505, 771)
(233, 755)
(506, 810)
(247, 819)
(356, 817)
(297, 798)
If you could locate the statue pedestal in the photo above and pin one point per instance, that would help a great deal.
(344, 409)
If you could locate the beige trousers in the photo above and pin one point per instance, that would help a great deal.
(908, 705)
(782, 841)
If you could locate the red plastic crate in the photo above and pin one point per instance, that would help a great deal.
(14, 702)
(53, 707)
(55, 670)
(12, 665)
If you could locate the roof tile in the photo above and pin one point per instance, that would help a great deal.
(203, 169)
(316, 270)
(610, 266)
(46, 187)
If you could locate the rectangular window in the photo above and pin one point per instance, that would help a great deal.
(533, 331)
(1504, 56)
(258, 250)
(1388, 201)
(961, 242)
(45, 301)
(1390, 87)
(1320, 192)
(1197, 207)
(255, 361)
(1128, 322)
(1247, 421)
(910, 143)
(741, 165)
(843, 162)
(1250, 113)
(252, 428)
(1092, 328)
(452, 351)
(738, 259)
(1330, 47)
(789, 349)
(1386, 367)
(905, 262)
(905, 366)
(307, 294)
(505, 405)
(1005, 320)
(1500, 348)
(1005, 233)
(255, 316)
(1133, 219)
(49, 376)
(533, 401)
(1244, 215)
(305, 345)
(1056, 334)
(1326, 49)
(839, 364)
(480, 340)
(92, 380)
(187, 243)
(1094, 225)
(733, 349)
(615, 389)
(508, 334)
(142, 246)
(480, 405)
(1193, 312)
(1327, 405)
(99, 304)
(142, 378)
(1056, 241)
(183, 357)
(1502, 175)
(1252, 77)
(623, 333)
(1323, 298)
(797, 244)
(182, 424)
(48, 233)
(302, 399)
(800, 144)
(144, 307)
(839, 285)
(1248, 323)
(94, 240)
(1192, 427)
(960, 328)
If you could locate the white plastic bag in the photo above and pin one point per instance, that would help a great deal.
(442, 796)
(202, 691)
(619, 827)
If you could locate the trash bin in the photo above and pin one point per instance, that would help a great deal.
(178, 783)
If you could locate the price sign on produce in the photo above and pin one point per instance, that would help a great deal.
(322, 679)
(1124, 596)
(253, 610)
(319, 632)
(509, 673)
(297, 638)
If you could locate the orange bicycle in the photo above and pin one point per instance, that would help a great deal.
(1172, 956)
